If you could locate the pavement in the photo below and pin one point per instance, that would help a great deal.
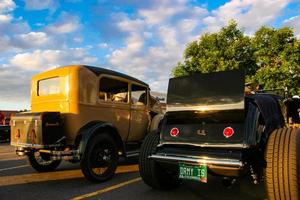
(19, 181)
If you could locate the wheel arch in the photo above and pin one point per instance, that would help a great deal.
(93, 128)
(156, 122)
(268, 113)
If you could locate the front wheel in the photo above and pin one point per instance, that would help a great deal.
(152, 173)
(283, 165)
(42, 162)
(100, 158)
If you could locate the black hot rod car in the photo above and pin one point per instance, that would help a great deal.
(212, 126)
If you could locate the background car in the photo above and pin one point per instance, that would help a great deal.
(4, 133)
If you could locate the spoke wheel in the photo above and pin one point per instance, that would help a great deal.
(42, 162)
(100, 158)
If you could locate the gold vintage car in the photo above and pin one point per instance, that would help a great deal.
(84, 114)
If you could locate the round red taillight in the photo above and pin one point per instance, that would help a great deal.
(228, 132)
(174, 132)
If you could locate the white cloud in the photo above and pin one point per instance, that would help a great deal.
(40, 60)
(157, 35)
(294, 22)
(26, 41)
(187, 25)
(5, 18)
(9, 26)
(7, 6)
(103, 45)
(134, 43)
(15, 88)
(250, 14)
(31, 39)
(155, 40)
(168, 36)
(40, 4)
(15, 76)
(64, 27)
(162, 11)
(66, 23)
(12, 28)
(5, 44)
(127, 24)
(78, 39)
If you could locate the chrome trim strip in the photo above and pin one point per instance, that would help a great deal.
(219, 145)
(205, 108)
(199, 160)
(26, 145)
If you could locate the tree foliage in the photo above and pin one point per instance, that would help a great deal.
(270, 58)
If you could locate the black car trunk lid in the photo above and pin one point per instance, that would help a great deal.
(205, 109)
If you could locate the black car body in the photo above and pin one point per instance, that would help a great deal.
(212, 124)
(202, 114)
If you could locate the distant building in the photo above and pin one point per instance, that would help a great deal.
(161, 97)
(5, 116)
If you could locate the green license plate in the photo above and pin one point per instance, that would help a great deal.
(193, 172)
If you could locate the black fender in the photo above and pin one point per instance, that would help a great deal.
(97, 127)
(263, 106)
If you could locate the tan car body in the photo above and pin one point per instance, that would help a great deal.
(79, 104)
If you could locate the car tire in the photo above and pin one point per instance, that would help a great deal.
(283, 165)
(100, 153)
(152, 173)
(42, 162)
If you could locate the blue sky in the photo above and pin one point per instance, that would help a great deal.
(144, 39)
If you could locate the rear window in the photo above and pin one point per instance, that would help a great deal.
(49, 86)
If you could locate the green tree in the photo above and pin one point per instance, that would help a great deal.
(277, 55)
(270, 58)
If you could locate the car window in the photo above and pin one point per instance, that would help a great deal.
(49, 86)
(113, 90)
(138, 95)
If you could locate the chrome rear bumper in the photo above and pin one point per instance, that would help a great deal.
(199, 160)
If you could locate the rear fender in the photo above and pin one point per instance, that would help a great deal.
(91, 129)
(265, 110)
(254, 125)
(155, 122)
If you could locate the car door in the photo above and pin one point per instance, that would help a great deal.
(140, 115)
(114, 106)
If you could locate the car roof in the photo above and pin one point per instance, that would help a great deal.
(99, 70)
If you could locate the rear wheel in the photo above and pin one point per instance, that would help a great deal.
(42, 162)
(283, 166)
(152, 173)
(100, 158)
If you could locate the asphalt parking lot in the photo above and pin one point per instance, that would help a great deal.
(19, 181)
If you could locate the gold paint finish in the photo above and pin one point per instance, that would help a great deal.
(79, 103)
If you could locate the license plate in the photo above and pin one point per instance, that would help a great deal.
(193, 172)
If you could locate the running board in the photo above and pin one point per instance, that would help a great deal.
(132, 153)
(199, 160)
